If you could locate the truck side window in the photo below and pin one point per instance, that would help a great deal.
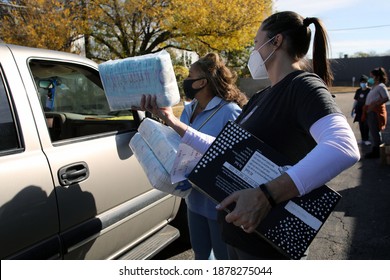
(74, 103)
(8, 133)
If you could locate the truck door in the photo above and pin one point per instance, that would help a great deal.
(105, 202)
(28, 211)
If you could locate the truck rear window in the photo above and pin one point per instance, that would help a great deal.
(9, 139)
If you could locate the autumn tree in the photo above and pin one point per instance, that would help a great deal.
(128, 28)
(50, 24)
(124, 28)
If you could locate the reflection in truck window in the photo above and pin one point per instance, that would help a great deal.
(73, 101)
(8, 135)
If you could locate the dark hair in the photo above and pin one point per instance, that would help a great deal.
(221, 78)
(380, 74)
(295, 29)
(363, 78)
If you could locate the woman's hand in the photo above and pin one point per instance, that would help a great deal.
(251, 208)
(149, 103)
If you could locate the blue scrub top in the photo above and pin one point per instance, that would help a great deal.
(196, 201)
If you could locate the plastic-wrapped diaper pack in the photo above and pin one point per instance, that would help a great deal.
(162, 139)
(155, 147)
(126, 80)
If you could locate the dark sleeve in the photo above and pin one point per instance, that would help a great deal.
(314, 100)
(249, 105)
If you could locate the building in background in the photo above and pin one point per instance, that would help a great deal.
(347, 72)
(346, 69)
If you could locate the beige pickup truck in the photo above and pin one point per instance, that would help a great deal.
(70, 187)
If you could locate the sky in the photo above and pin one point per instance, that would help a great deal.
(353, 25)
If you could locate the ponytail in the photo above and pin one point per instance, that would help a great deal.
(296, 30)
(321, 64)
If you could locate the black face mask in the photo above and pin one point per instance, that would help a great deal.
(188, 90)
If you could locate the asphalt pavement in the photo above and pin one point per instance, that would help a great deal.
(359, 228)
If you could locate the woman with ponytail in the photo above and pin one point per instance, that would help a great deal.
(296, 115)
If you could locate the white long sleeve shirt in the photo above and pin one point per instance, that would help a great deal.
(336, 151)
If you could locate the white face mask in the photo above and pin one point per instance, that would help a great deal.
(256, 64)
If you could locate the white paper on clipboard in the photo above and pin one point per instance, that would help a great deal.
(185, 161)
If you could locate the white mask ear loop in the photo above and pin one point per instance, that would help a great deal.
(265, 60)
(266, 43)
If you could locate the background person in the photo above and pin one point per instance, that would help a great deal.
(215, 100)
(357, 109)
(296, 116)
(376, 113)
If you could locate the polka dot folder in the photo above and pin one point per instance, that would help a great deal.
(237, 160)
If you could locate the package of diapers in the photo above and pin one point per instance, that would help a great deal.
(155, 147)
(126, 80)
(162, 139)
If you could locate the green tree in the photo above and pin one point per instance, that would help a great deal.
(181, 72)
(237, 60)
(360, 54)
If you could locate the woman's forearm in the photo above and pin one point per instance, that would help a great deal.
(176, 124)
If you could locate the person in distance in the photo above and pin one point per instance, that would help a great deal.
(357, 109)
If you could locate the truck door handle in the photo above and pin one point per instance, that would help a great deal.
(73, 173)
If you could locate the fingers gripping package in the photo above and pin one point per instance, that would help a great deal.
(155, 147)
(126, 80)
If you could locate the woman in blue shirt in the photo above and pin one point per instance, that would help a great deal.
(215, 100)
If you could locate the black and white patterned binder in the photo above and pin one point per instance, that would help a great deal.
(237, 160)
